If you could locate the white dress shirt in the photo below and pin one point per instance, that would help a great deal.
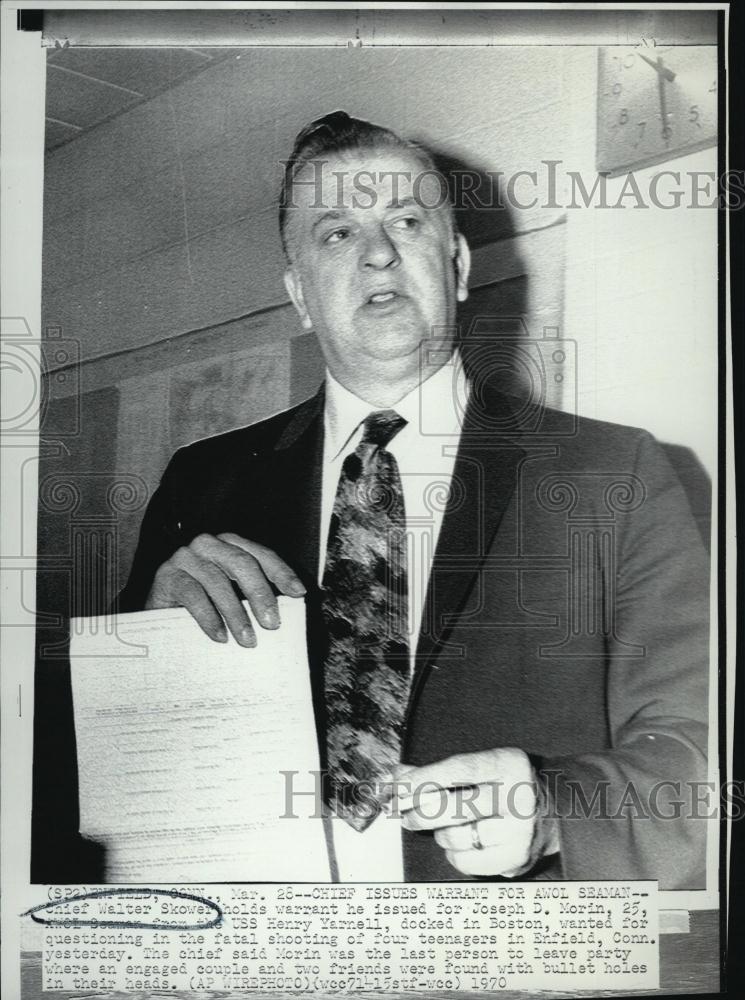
(425, 450)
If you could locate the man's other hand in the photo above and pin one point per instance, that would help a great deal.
(484, 808)
(200, 578)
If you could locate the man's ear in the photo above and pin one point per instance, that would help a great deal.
(295, 291)
(462, 266)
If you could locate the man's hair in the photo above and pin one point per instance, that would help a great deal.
(337, 133)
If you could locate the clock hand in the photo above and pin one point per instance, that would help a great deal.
(658, 67)
(666, 131)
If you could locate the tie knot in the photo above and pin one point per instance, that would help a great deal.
(381, 427)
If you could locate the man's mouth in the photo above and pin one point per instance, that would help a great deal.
(389, 297)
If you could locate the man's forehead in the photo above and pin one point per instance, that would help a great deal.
(342, 181)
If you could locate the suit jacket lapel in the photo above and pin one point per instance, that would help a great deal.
(484, 479)
(291, 494)
(293, 501)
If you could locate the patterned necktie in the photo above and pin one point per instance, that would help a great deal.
(365, 606)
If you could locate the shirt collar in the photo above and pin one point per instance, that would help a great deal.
(434, 407)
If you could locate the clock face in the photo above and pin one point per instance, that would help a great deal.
(654, 104)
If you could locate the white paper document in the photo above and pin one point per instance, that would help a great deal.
(182, 750)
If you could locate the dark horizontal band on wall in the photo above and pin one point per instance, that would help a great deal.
(356, 28)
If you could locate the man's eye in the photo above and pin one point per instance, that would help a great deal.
(336, 236)
(407, 223)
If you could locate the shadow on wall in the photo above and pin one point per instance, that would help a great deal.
(495, 310)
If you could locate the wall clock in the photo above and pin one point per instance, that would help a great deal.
(654, 103)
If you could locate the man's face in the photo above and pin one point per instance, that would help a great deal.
(375, 272)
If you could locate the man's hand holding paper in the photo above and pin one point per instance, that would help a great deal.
(200, 578)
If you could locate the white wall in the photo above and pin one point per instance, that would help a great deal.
(641, 292)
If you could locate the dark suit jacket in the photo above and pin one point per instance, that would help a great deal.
(567, 614)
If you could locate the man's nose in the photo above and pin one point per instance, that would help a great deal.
(379, 250)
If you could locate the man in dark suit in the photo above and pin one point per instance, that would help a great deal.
(523, 659)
